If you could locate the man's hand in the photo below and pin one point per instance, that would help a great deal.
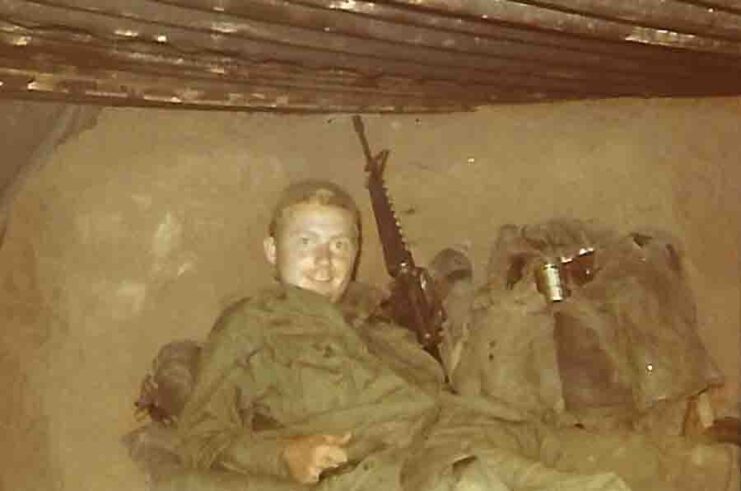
(308, 456)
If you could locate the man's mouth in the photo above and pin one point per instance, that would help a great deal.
(321, 277)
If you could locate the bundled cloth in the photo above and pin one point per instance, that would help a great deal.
(614, 346)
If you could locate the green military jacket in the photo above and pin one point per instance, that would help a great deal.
(285, 364)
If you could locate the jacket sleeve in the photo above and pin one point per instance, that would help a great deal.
(211, 429)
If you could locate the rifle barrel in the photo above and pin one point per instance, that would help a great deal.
(357, 122)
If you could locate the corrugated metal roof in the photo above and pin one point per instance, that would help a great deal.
(354, 55)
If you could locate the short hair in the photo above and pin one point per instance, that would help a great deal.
(313, 191)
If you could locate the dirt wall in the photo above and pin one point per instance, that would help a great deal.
(143, 228)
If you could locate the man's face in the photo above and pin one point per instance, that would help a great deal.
(315, 248)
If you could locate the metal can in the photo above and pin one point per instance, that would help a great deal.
(548, 279)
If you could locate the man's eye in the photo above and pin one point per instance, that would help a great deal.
(304, 241)
(341, 245)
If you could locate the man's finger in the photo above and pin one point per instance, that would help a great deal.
(339, 441)
(332, 456)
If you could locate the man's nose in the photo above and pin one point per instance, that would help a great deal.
(323, 254)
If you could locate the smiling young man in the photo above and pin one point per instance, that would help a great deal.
(314, 238)
(287, 389)
(313, 243)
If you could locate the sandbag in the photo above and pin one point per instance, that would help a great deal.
(621, 344)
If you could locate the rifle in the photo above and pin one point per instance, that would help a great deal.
(413, 303)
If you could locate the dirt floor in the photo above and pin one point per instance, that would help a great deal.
(141, 229)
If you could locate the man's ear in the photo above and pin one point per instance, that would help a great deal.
(271, 252)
